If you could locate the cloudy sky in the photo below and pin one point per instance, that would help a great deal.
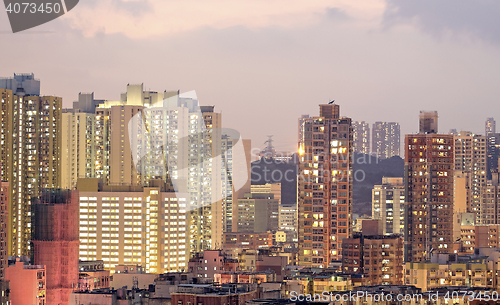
(264, 63)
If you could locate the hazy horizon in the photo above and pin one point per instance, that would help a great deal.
(264, 64)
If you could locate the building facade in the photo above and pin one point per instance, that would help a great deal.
(386, 139)
(493, 152)
(4, 255)
(78, 148)
(429, 165)
(27, 283)
(479, 236)
(450, 269)
(30, 150)
(324, 187)
(133, 225)
(361, 137)
(490, 126)
(55, 242)
(470, 159)
(388, 205)
(379, 258)
(490, 200)
(258, 213)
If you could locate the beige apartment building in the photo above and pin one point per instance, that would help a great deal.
(445, 269)
(30, 135)
(388, 205)
(133, 225)
(490, 200)
(78, 148)
(324, 187)
(470, 159)
(274, 188)
(479, 236)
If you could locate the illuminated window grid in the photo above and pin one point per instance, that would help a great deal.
(174, 234)
(132, 229)
(88, 228)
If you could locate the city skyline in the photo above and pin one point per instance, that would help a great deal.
(257, 60)
(250, 152)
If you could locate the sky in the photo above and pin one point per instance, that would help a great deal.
(265, 63)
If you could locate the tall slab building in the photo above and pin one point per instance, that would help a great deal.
(78, 148)
(361, 137)
(429, 169)
(490, 126)
(31, 145)
(471, 159)
(324, 186)
(386, 139)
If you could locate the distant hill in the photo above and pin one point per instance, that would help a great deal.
(272, 171)
(368, 171)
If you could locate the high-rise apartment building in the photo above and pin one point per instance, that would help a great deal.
(490, 199)
(470, 159)
(55, 242)
(490, 126)
(361, 137)
(78, 148)
(429, 165)
(149, 135)
(134, 225)
(235, 167)
(388, 205)
(324, 187)
(303, 118)
(386, 139)
(31, 139)
(493, 153)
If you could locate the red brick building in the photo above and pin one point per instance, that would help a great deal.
(324, 199)
(379, 258)
(429, 170)
(56, 240)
